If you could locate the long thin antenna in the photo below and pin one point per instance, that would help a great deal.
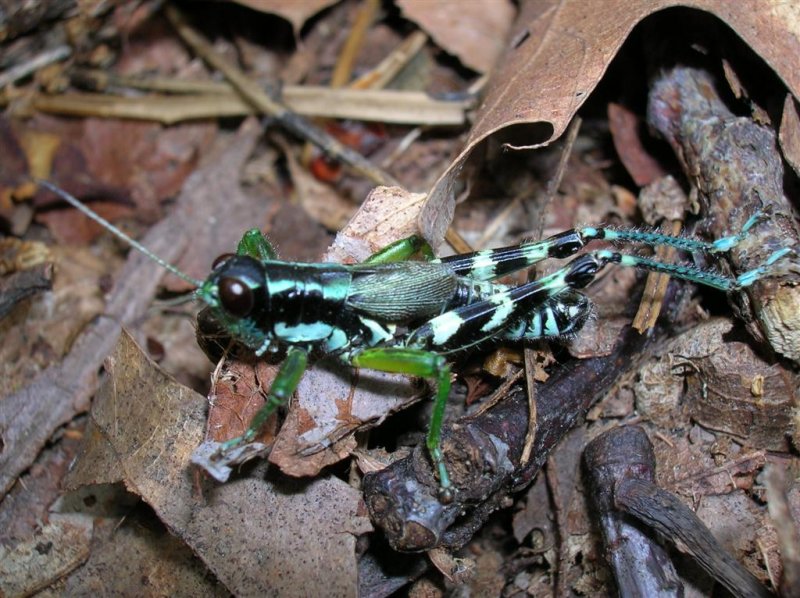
(77, 204)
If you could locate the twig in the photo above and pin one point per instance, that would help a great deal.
(562, 551)
(738, 171)
(655, 286)
(389, 106)
(669, 516)
(501, 392)
(483, 454)
(343, 69)
(20, 285)
(529, 354)
(498, 220)
(456, 241)
(641, 566)
(390, 67)
(97, 80)
(405, 143)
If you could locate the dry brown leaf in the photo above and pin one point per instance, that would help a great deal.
(560, 50)
(70, 227)
(58, 548)
(333, 402)
(388, 214)
(30, 501)
(297, 12)
(149, 160)
(790, 133)
(279, 535)
(473, 31)
(145, 562)
(114, 160)
(41, 332)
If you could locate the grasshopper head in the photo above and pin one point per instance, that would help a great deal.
(236, 294)
(236, 286)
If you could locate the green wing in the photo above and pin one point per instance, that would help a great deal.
(402, 292)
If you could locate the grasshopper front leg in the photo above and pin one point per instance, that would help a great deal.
(402, 250)
(282, 389)
(218, 457)
(425, 364)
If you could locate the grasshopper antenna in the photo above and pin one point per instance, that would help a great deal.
(77, 204)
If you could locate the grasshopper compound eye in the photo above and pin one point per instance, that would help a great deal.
(236, 297)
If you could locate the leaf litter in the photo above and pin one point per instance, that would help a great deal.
(281, 535)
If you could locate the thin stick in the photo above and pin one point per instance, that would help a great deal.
(655, 287)
(456, 241)
(529, 353)
(498, 220)
(387, 106)
(347, 57)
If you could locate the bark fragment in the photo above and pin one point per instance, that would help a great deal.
(737, 169)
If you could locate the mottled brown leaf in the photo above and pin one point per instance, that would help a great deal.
(131, 555)
(54, 551)
(789, 135)
(237, 393)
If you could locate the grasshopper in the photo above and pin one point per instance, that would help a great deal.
(398, 315)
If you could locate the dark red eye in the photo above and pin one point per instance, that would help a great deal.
(221, 260)
(236, 297)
